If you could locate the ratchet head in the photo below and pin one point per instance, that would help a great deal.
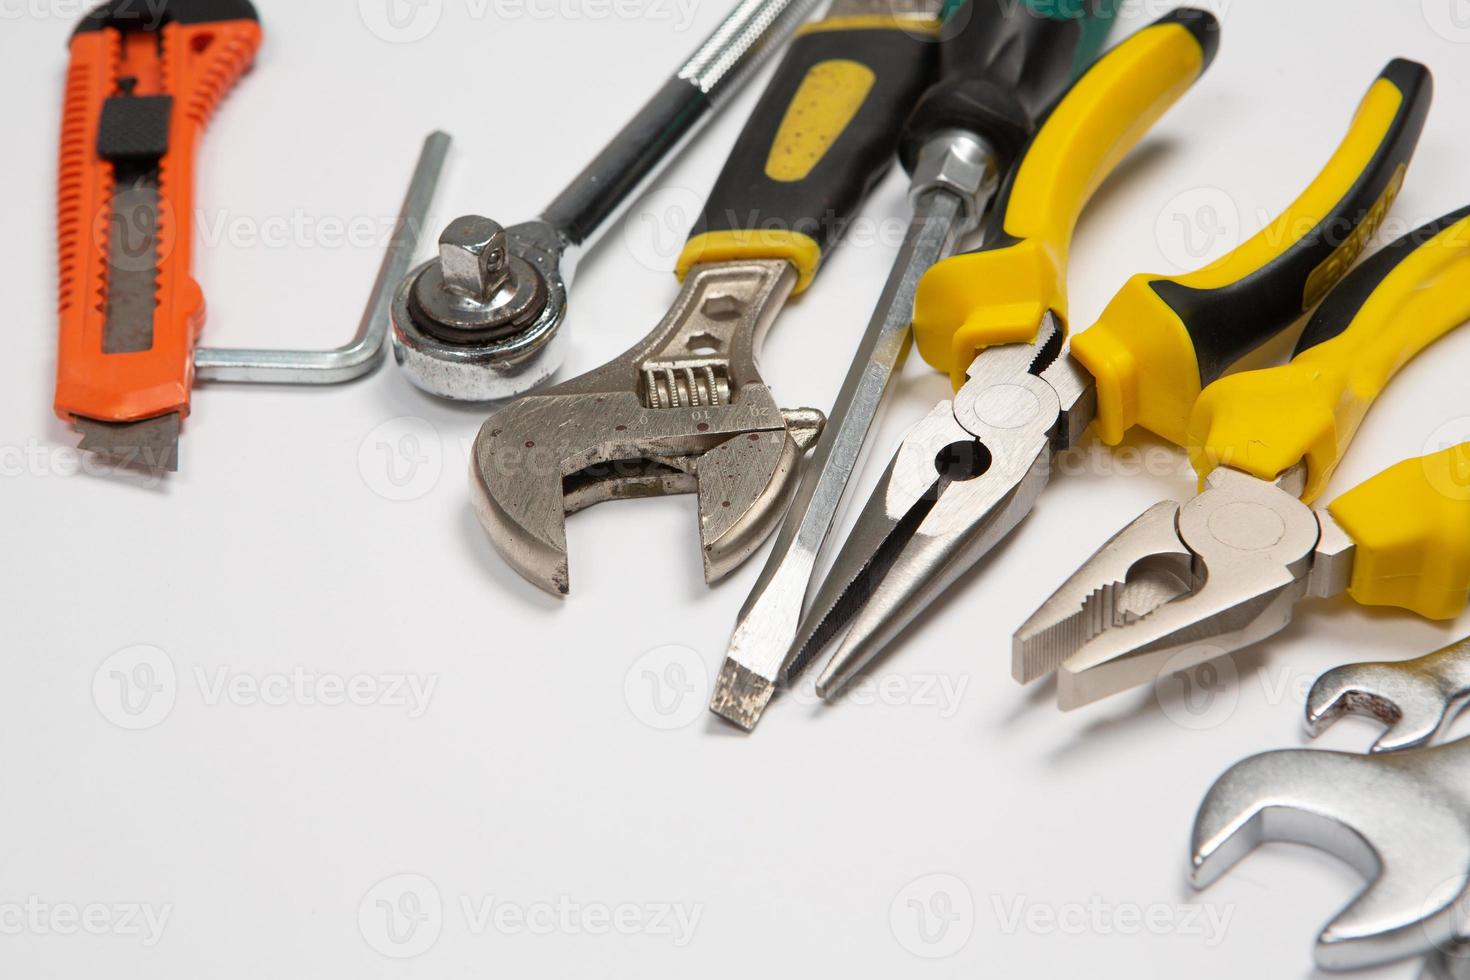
(1179, 586)
(1402, 820)
(482, 321)
(1416, 699)
(683, 412)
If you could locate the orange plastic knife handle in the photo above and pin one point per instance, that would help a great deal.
(194, 52)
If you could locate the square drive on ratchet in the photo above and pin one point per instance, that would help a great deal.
(483, 321)
(685, 410)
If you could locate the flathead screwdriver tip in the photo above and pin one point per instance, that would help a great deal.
(741, 695)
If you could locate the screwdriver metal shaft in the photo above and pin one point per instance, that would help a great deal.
(1001, 66)
(761, 650)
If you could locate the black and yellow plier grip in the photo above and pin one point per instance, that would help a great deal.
(996, 321)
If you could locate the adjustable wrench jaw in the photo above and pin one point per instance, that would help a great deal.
(683, 412)
(1179, 586)
(1402, 820)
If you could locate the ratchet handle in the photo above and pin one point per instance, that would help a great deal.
(1411, 529)
(1383, 314)
(1162, 340)
(821, 136)
(1001, 66)
(1001, 293)
(721, 66)
(142, 82)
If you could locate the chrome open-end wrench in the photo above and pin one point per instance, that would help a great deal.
(1401, 818)
(1401, 815)
(1417, 699)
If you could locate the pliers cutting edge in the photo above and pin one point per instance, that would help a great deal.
(967, 475)
(1187, 583)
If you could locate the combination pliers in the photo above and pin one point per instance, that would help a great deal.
(1187, 583)
(967, 475)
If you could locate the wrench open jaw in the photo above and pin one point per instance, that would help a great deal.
(685, 411)
(1402, 819)
(1417, 699)
(1181, 585)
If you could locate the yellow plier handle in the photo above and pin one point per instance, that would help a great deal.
(1162, 340)
(1411, 525)
(1390, 308)
(1001, 293)
(1411, 528)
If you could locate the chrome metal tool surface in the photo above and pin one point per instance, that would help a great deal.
(686, 410)
(484, 320)
(1002, 65)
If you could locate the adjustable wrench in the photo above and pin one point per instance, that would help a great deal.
(686, 410)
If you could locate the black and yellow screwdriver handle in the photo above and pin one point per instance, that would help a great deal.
(1001, 293)
(1161, 341)
(1411, 524)
(821, 136)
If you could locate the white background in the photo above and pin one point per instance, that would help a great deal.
(328, 533)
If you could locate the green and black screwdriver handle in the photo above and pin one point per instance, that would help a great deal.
(829, 124)
(1003, 63)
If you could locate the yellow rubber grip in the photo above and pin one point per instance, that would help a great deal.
(1392, 307)
(1000, 294)
(1411, 525)
(1161, 340)
(823, 134)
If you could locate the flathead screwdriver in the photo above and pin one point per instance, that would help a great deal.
(1002, 64)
